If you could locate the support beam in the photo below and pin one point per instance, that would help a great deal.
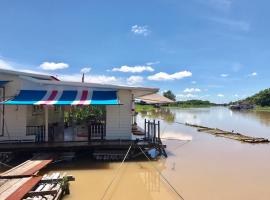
(46, 123)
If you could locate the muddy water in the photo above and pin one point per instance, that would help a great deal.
(199, 166)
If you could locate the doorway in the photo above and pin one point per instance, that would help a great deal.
(84, 123)
(2, 111)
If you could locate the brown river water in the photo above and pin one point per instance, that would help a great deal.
(199, 166)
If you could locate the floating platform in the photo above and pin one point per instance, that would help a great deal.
(229, 134)
(22, 181)
(75, 146)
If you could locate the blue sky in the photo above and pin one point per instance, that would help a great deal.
(208, 49)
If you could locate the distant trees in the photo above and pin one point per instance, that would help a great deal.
(169, 94)
(261, 99)
(192, 103)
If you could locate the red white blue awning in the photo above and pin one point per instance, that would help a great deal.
(65, 97)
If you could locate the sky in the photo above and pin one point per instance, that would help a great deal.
(217, 50)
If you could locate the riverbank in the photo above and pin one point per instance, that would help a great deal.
(260, 108)
(148, 108)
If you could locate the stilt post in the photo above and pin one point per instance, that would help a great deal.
(145, 128)
(158, 130)
(154, 126)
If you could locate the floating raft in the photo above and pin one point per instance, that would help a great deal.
(22, 181)
(229, 134)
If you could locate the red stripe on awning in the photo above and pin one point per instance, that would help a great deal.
(84, 97)
(51, 97)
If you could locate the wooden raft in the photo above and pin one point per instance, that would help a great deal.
(18, 180)
(229, 134)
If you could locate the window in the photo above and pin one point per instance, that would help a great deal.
(37, 110)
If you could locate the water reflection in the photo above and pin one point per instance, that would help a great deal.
(162, 113)
(262, 116)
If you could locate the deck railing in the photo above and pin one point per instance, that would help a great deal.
(96, 131)
(152, 130)
(38, 131)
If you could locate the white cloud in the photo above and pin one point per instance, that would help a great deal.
(86, 70)
(253, 74)
(220, 95)
(132, 80)
(192, 90)
(233, 24)
(134, 69)
(5, 64)
(186, 96)
(90, 78)
(140, 30)
(152, 63)
(224, 75)
(163, 76)
(53, 66)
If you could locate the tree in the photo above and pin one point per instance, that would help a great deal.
(169, 95)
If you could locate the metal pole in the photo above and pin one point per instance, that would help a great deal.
(148, 131)
(159, 130)
(154, 123)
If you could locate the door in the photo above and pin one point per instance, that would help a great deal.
(2, 112)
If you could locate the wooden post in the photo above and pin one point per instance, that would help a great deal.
(148, 129)
(102, 131)
(46, 123)
(144, 127)
(89, 132)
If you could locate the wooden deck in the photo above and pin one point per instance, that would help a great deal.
(16, 182)
(72, 146)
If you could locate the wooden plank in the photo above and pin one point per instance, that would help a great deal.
(38, 167)
(11, 186)
(24, 189)
(41, 193)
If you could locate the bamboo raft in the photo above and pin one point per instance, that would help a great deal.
(23, 181)
(228, 134)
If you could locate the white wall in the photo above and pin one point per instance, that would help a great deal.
(15, 116)
(118, 117)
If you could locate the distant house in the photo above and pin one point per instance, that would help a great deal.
(34, 108)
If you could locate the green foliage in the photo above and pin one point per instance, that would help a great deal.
(81, 114)
(261, 99)
(191, 103)
(169, 94)
(143, 108)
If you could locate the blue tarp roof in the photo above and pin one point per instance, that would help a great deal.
(2, 83)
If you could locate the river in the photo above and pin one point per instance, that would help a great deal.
(199, 166)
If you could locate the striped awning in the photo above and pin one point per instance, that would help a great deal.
(66, 97)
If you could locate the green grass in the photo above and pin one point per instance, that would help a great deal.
(141, 108)
(189, 106)
(260, 108)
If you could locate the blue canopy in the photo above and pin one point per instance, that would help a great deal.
(66, 97)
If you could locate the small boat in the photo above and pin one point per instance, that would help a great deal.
(241, 106)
